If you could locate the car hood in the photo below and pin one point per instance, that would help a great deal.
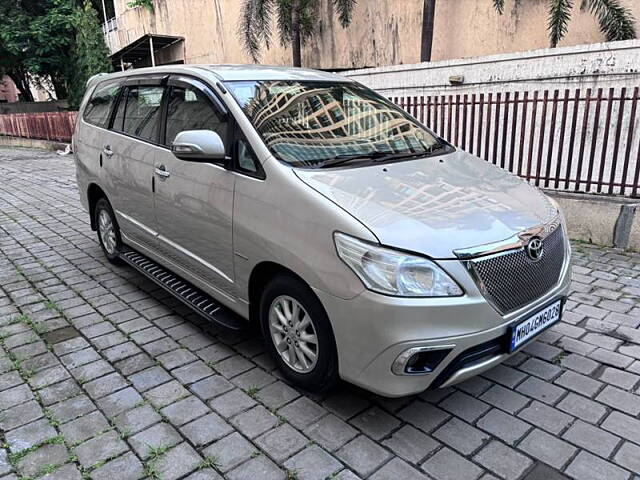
(434, 205)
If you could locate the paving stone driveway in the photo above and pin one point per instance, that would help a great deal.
(103, 375)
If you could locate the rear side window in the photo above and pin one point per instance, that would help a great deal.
(190, 109)
(141, 112)
(97, 110)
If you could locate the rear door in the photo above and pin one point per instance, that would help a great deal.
(194, 200)
(131, 152)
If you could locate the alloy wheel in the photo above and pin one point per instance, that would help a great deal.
(293, 334)
(107, 232)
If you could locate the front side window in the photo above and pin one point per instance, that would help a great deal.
(189, 109)
(141, 112)
(99, 105)
(318, 124)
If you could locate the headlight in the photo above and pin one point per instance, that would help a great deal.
(394, 273)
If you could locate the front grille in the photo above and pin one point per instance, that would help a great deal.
(512, 280)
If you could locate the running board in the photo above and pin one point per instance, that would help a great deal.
(190, 295)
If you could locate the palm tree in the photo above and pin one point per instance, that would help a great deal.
(616, 22)
(295, 21)
(428, 19)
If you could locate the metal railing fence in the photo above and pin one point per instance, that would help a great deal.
(583, 140)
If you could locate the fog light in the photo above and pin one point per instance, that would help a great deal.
(420, 360)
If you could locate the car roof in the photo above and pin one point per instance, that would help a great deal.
(232, 72)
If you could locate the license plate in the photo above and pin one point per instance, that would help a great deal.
(535, 324)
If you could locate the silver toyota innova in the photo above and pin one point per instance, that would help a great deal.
(366, 247)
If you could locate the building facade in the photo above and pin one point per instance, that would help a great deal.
(383, 32)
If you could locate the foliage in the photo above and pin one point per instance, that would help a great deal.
(38, 44)
(255, 24)
(616, 22)
(90, 53)
(148, 4)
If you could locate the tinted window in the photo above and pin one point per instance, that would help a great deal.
(118, 119)
(97, 110)
(190, 109)
(142, 112)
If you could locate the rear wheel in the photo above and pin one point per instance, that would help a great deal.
(298, 334)
(108, 230)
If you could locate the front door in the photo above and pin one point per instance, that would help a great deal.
(194, 200)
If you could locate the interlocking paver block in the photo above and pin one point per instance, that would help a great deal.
(20, 415)
(363, 455)
(422, 415)
(461, 436)
(125, 467)
(547, 448)
(375, 422)
(185, 410)
(85, 427)
(149, 378)
(448, 465)
(257, 467)
(503, 460)
(277, 394)
(232, 403)
(255, 422)
(100, 448)
(506, 427)
(628, 456)
(166, 394)
(230, 451)
(177, 462)
(313, 463)
(211, 387)
(331, 432)
(29, 435)
(160, 435)
(32, 463)
(282, 442)
(396, 468)
(302, 412)
(411, 444)
(119, 402)
(589, 467)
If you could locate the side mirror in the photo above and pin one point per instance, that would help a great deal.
(199, 145)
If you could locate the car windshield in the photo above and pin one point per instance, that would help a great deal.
(319, 124)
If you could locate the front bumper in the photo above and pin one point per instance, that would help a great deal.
(372, 330)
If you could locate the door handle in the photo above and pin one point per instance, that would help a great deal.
(161, 171)
(107, 151)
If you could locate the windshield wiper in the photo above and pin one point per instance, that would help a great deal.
(379, 156)
(347, 157)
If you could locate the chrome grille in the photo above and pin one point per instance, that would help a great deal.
(512, 280)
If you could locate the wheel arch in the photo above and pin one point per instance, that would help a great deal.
(94, 193)
(262, 274)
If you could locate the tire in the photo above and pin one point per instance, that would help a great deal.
(315, 377)
(104, 217)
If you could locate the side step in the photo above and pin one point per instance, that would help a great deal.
(192, 296)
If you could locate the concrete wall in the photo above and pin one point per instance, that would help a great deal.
(610, 221)
(613, 64)
(382, 32)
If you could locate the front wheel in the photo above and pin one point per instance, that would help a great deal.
(108, 230)
(298, 334)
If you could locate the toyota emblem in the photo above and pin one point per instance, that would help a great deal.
(534, 249)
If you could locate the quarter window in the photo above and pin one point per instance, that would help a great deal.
(97, 110)
(142, 112)
(189, 109)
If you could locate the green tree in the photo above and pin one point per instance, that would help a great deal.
(36, 38)
(294, 19)
(615, 21)
(90, 54)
